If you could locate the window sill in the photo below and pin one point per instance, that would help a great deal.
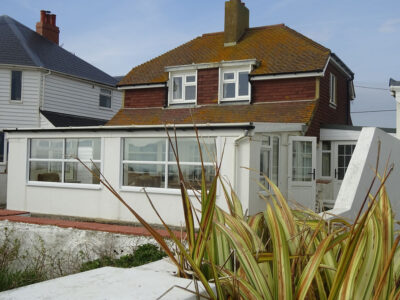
(15, 101)
(193, 102)
(234, 100)
(64, 185)
(151, 190)
(105, 108)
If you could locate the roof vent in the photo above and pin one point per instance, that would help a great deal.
(236, 21)
(46, 27)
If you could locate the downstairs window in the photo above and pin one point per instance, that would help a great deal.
(269, 160)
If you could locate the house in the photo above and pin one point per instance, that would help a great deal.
(267, 99)
(395, 89)
(43, 85)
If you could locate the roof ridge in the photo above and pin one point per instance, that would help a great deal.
(250, 28)
(12, 23)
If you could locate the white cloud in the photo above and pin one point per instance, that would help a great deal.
(389, 26)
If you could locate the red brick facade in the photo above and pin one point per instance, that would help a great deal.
(283, 89)
(326, 113)
(207, 83)
(142, 98)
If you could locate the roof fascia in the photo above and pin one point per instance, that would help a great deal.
(221, 64)
(339, 64)
(142, 86)
(287, 76)
(261, 127)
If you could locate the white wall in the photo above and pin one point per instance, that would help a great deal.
(69, 96)
(360, 174)
(100, 203)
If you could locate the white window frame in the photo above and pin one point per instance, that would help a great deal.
(182, 75)
(270, 148)
(331, 152)
(63, 161)
(166, 164)
(236, 71)
(16, 101)
(102, 93)
(332, 90)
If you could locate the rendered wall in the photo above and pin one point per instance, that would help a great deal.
(360, 174)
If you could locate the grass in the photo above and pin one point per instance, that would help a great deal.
(142, 255)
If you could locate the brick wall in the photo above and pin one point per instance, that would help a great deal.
(207, 83)
(140, 98)
(325, 112)
(283, 89)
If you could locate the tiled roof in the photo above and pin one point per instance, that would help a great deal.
(278, 48)
(393, 82)
(273, 112)
(21, 46)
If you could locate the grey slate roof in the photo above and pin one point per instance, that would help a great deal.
(65, 120)
(19, 45)
(393, 82)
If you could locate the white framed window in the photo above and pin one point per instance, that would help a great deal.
(183, 88)
(105, 98)
(234, 84)
(54, 160)
(150, 162)
(326, 159)
(269, 160)
(332, 90)
(16, 86)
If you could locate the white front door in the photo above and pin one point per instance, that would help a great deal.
(343, 154)
(301, 173)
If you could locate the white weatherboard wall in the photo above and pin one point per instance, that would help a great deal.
(99, 202)
(75, 97)
(360, 174)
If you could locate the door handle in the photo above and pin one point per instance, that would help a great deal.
(313, 174)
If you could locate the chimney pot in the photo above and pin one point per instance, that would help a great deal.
(236, 21)
(47, 28)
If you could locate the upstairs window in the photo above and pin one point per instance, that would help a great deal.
(235, 84)
(183, 88)
(105, 98)
(332, 90)
(16, 85)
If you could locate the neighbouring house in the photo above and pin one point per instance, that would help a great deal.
(395, 89)
(268, 99)
(43, 85)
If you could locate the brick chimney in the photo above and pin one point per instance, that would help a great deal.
(236, 21)
(47, 26)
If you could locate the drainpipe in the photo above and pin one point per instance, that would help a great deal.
(41, 103)
(236, 143)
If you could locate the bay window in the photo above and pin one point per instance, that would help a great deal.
(234, 84)
(269, 160)
(54, 160)
(150, 162)
(183, 87)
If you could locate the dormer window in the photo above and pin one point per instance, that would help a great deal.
(183, 88)
(234, 84)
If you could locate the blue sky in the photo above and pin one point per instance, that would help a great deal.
(118, 35)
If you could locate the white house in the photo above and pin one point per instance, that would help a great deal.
(43, 85)
(395, 89)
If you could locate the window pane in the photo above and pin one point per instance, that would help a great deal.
(47, 148)
(326, 164)
(2, 143)
(45, 171)
(275, 160)
(326, 146)
(145, 149)
(264, 166)
(177, 88)
(16, 85)
(243, 83)
(75, 172)
(143, 175)
(191, 175)
(344, 157)
(191, 78)
(302, 161)
(229, 76)
(190, 92)
(105, 101)
(188, 150)
(229, 90)
(85, 149)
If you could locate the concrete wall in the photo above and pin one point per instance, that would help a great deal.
(96, 201)
(360, 174)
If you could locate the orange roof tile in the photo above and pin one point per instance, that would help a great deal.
(278, 48)
(272, 112)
